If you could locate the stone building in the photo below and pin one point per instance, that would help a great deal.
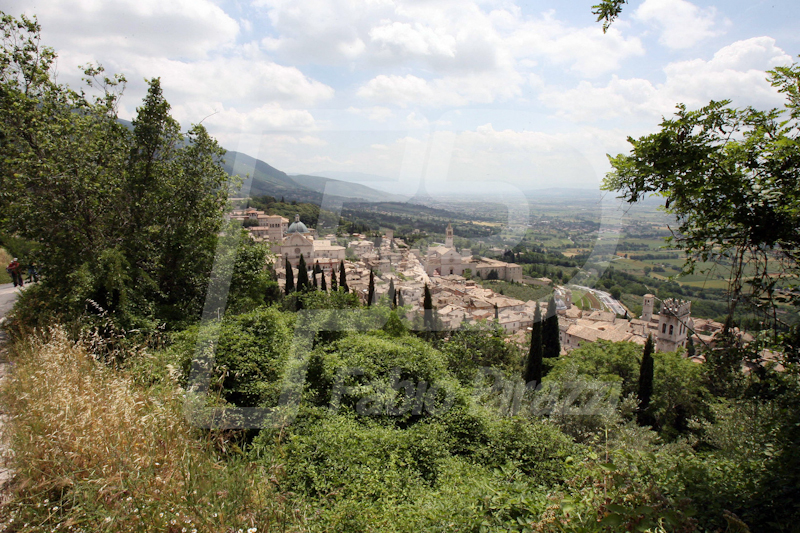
(299, 241)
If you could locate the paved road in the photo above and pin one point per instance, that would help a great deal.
(8, 294)
(606, 299)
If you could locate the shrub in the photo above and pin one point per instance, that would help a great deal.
(93, 451)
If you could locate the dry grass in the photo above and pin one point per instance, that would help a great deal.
(92, 451)
(5, 259)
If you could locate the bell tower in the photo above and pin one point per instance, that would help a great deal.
(448, 241)
(672, 324)
(647, 307)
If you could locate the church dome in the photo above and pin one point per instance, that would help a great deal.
(297, 226)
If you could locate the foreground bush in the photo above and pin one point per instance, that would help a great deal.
(93, 452)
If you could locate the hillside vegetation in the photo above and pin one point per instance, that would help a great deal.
(164, 382)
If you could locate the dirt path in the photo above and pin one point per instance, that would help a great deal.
(8, 295)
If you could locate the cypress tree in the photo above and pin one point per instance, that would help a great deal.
(400, 301)
(533, 366)
(289, 288)
(551, 344)
(334, 285)
(427, 305)
(314, 282)
(496, 313)
(342, 277)
(316, 271)
(324, 283)
(302, 275)
(646, 384)
(371, 288)
(690, 349)
(392, 294)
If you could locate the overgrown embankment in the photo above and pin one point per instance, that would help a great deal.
(93, 451)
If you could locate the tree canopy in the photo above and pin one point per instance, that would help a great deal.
(730, 178)
(126, 219)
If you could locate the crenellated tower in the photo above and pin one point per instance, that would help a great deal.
(672, 324)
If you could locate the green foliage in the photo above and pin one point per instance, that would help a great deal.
(551, 342)
(533, 365)
(371, 288)
(386, 367)
(289, 285)
(645, 391)
(608, 11)
(99, 197)
(250, 279)
(249, 357)
(730, 179)
(394, 326)
(679, 392)
(475, 346)
(343, 277)
(303, 284)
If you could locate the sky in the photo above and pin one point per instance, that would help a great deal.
(467, 95)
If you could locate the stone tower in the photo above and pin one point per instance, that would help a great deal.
(672, 324)
(647, 307)
(448, 241)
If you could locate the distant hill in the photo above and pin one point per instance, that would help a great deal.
(267, 180)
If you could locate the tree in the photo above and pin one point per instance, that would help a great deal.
(645, 391)
(496, 313)
(400, 301)
(427, 306)
(690, 349)
(302, 275)
(334, 284)
(324, 283)
(492, 275)
(551, 343)
(616, 292)
(127, 219)
(533, 366)
(317, 268)
(371, 288)
(392, 294)
(289, 287)
(342, 277)
(731, 179)
(608, 11)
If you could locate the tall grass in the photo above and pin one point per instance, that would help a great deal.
(5, 259)
(93, 451)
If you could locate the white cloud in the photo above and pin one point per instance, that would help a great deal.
(376, 113)
(736, 72)
(245, 80)
(179, 28)
(415, 40)
(682, 23)
(586, 50)
(446, 91)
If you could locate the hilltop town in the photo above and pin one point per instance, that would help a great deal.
(454, 279)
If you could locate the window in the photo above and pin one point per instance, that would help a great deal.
(671, 329)
(663, 328)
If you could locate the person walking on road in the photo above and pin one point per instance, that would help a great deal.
(32, 274)
(15, 270)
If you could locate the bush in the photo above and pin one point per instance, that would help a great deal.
(250, 355)
(94, 451)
